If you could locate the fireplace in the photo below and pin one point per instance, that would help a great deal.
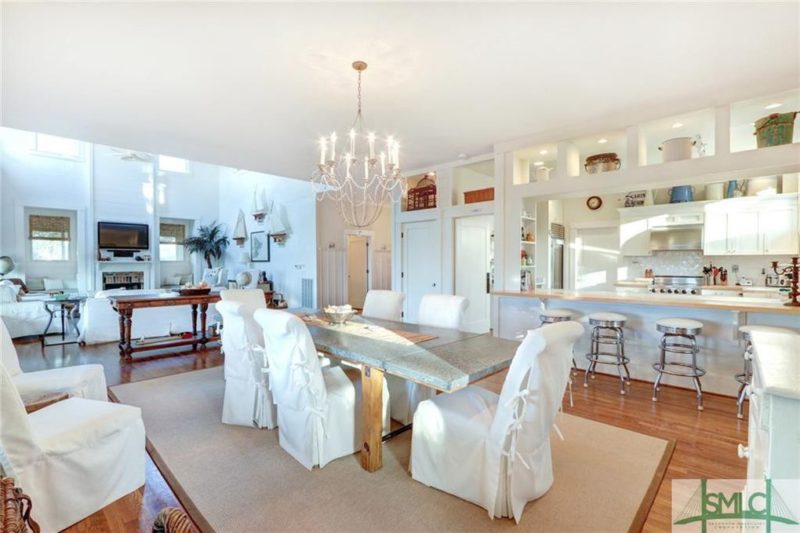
(123, 280)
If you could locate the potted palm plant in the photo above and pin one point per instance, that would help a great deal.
(210, 241)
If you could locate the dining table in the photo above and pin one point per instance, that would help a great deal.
(445, 360)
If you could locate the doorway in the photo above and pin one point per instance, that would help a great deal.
(421, 264)
(595, 253)
(357, 269)
(473, 269)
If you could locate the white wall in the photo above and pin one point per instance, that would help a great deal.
(297, 258)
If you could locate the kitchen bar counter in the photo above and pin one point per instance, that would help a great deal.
(722, 303)
(721, 348)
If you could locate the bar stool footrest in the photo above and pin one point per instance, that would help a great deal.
(665, 369)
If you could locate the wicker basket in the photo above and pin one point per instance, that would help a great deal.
(15, 509)
(423, 196)
(775, 129)
(481, 195)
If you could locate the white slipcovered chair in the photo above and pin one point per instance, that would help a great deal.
(247, 400)
(73, 457)
(493, 450)
(319, 409)
(82, 381)
(384, 305)
(436, 310)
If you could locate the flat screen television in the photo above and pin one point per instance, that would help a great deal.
(119, 236)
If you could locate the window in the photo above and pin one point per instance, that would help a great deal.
(58, 146)
(173, 164)
(49, 235)
(170, 241)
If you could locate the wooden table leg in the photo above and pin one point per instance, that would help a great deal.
(203, 337)
(121, 333)
(372, 418)
(128, 349)
(194, 325)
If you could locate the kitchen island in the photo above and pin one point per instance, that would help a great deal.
(515, 312)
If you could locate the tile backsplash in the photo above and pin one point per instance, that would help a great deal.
(691, 264)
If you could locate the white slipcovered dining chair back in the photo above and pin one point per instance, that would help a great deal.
(295, 370)
(384, 305)
(17, 445)
(519, 439)
(442, 310)
(8, 353)
(247, 400)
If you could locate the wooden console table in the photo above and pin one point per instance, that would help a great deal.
(124, 305)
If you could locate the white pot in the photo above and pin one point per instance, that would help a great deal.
(762, 186)
(542, 173)
(715, 191)
(676, 149)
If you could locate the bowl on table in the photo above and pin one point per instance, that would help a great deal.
(195, 291)
(339, 317)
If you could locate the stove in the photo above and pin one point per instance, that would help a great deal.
(690, 285)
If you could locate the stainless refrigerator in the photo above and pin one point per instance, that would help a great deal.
(557, 232)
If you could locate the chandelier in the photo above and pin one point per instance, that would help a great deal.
(359, 179)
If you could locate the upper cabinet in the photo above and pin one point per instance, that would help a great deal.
(752, 226)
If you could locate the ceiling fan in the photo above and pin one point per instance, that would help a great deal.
(131, 155)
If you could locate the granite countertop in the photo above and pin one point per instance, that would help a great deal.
(724, 303)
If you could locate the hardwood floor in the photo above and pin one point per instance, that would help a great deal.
(705, 441)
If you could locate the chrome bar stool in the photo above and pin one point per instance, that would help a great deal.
(686, 330)
(746, 376)
(607, 331)
(551, 316)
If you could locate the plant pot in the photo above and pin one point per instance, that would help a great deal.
(775, 129)
(681, 194)
(676, 149)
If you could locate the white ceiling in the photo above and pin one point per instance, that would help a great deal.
(253, 85)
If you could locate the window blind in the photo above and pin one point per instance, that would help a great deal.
(48, 227)
(171, 233)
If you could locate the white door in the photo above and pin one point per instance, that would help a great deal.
(473, 239)
(779, 229)
(743, 233)
(596, 256)
(357, 270)
(421, 264)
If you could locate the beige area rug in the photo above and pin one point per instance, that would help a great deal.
(239, 479)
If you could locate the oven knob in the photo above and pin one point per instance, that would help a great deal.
(683, 291)
(694, 291)
(669, 291)
(662, 291)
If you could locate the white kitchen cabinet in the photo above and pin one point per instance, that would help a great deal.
(634, 234)
(752, 226)
(778, 226)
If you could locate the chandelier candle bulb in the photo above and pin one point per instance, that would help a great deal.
(371, 139)
(383, 163)
(333, 146)
(352, 141)
(323, 148)
(347, 165)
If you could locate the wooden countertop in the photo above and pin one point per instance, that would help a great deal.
(721, 303)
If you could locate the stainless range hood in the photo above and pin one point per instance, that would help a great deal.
(677, 238)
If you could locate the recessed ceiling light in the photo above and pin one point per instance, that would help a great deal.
(542, 152)
(538, 163)
(773, 105)
(602, 141)
(677, 125)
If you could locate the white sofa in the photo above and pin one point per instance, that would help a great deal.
(23, 318)
(100, 323)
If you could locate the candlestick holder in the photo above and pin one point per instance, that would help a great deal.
(792, 270)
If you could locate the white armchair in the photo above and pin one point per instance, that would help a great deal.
(493, 450)
(73, 457)
(82, 381)
(248, 400)
(385, 305)
(319, 409)
(435, 310)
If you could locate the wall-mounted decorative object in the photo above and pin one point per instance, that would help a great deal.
(258, 211)
(775, 129)
(240, 231)
(594, 202)
(635, 199)
(277, 229)
(423, 196)
(259, 247)
(480, 195)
